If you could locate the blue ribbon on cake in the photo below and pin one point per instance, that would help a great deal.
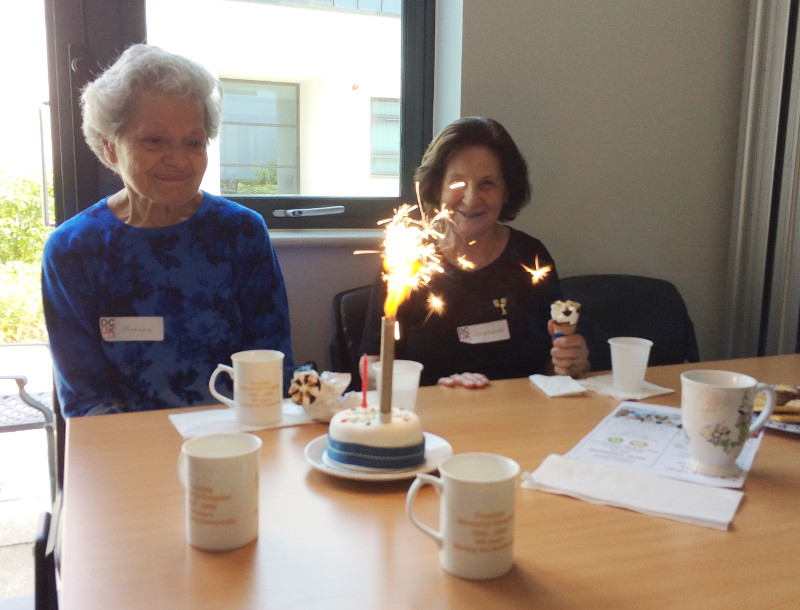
(384, 458)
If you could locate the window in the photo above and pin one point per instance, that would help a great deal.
(385, 138)
(316, 114)
(258, 139)
(355, 74)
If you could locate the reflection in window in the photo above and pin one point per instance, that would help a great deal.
(385, 137)
(258, 139)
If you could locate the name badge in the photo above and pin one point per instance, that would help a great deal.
(132, 328)
(488, 332)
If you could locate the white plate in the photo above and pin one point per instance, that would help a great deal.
(436, 449)
(776, 425)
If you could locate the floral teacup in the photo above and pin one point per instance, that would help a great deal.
(717, 411)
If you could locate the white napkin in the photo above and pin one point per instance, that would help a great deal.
(638, 491)
(557, 385)
(211, 421)
(604, 384)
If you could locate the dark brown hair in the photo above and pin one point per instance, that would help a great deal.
(474, 131)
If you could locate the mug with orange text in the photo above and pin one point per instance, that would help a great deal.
(220, 475)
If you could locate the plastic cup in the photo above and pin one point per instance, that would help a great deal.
(405, 382)
(629, 356)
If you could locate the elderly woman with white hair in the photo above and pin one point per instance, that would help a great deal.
(148, 289)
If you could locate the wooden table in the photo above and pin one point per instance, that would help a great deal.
(329, 543)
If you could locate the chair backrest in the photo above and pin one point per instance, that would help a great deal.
(632, 306)
(30, 410)
(349, 311)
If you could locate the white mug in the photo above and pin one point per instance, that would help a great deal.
(717, 410)
(476, 513)
(220, 475)
(257, 386)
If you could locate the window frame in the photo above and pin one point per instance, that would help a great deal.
(79, 47)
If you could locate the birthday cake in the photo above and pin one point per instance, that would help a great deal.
(357, 437)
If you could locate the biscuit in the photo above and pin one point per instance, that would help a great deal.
(305, 387)
(787, 400)
(785, 419)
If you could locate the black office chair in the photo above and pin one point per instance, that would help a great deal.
(349, 311)
(632, 306)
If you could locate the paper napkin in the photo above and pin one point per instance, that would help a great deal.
(212, 421)
(645, 493)
(557, 385)
(604, 384)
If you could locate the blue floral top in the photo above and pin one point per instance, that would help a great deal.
(212, 282)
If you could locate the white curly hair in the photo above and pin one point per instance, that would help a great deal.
(107, 101)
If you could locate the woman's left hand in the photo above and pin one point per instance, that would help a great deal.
(569, 354)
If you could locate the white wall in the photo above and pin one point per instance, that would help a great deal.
(627, 112)
(314, 272)
(628, 115)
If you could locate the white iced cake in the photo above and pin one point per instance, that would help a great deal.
(358, 437)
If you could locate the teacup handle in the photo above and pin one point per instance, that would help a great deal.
(421, 481)
(769, 405)
(223, 399)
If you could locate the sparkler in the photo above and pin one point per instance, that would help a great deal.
(465, 263)
(435, 305)
(409, 260)
(539, 272)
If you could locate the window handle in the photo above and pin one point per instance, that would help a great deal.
(298, 212)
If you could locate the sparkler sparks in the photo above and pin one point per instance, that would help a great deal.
(539, 272)
(410, 258)
(435, 306)
(465, 263)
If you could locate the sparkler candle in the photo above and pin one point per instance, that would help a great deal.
(409, 259)
(387, 368)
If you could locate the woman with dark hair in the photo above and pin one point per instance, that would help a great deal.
(147, 290)
(494, 321)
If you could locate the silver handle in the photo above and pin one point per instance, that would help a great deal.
(298, 212)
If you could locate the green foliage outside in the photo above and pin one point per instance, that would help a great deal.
(22, 237)
(264, 182)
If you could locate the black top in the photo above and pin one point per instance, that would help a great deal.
(451, 342)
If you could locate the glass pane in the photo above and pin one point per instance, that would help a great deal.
(385, 138)
(257, 145)
(26, 196)
(278, 45)
(254, 102)
(391, 6)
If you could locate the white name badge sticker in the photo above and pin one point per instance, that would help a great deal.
(488, 332)
(132, 328)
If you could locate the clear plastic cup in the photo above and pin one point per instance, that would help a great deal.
(405, 382)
